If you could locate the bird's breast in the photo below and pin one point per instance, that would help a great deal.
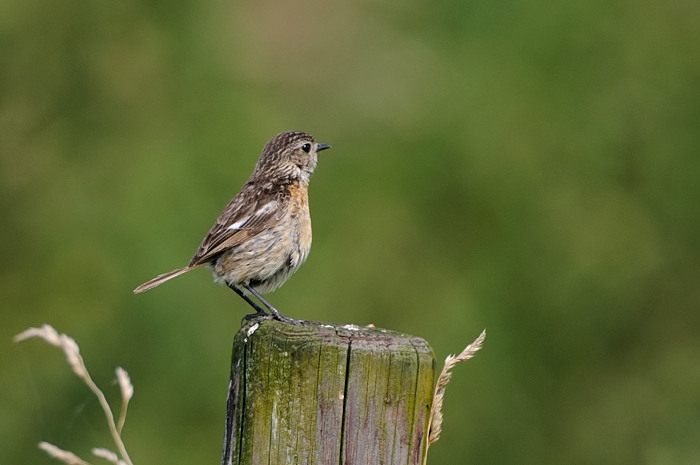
(300, 223)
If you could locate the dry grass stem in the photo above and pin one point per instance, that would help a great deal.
(69, 346)
(107, 455)
(435, 421)
(72, 351)
(127, 390)
(63, 455)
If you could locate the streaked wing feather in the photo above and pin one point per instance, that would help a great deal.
(252, 214)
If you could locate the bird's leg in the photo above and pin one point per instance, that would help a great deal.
(259, 312)
(275, 313)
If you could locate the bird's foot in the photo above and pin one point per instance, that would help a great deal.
(259, 315)
(285, 319)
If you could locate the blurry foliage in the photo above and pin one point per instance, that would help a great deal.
(526, 167)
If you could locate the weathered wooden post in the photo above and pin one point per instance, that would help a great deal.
(324, 394)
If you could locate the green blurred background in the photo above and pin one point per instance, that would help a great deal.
(526, 167)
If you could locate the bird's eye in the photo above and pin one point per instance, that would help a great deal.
(306, 147)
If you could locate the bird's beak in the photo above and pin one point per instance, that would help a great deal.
(320, 147)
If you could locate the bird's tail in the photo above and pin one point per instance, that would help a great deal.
(160, 279)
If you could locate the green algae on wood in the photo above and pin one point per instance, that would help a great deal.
(327, 394)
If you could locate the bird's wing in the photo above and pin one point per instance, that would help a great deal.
(249, 213)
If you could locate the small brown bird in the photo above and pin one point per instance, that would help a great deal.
(264, 233)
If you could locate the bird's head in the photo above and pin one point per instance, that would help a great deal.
(290, 155)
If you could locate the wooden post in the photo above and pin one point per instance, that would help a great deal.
(323, 394)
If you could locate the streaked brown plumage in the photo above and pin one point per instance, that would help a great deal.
(264, 234)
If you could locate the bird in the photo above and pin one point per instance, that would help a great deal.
(263, 235)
